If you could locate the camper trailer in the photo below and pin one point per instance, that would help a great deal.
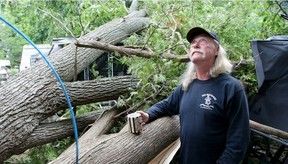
(30, 55)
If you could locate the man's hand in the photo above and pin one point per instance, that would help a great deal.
(145, 116)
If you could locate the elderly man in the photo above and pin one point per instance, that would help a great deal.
(212, 105)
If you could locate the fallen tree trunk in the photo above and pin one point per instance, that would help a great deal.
(33, 95)
(100, 127)
(49, 132)
(167, 155)
(125, 147)
(81, 92)
(84, 92)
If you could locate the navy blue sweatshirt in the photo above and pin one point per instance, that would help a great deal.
(214, 120)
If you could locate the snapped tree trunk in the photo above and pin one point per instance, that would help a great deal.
(100, 127)
(49, 132)
(33, 95)
(125, 147)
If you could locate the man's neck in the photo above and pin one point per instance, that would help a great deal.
(203, 75)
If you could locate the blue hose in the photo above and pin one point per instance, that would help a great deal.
(54, 72)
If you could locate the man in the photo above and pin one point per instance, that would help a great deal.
(212, 105)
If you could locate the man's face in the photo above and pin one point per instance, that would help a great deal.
(203, 50)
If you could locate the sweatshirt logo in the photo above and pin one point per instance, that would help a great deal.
(209, 98)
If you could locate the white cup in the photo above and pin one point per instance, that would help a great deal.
(134, 121)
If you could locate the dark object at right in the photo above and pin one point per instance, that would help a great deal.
(270, 105)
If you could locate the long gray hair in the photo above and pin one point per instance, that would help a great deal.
(221, 65)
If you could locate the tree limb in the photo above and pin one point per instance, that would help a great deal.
(143, 53)
(119, 49)
(128, 51)
(133, 6)
(84, 92)
(49, 132)
(90, 138)
(140, 104)
(280, 6)
(66, 29)
(268, 130)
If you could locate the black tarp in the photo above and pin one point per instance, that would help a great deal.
(270, 105)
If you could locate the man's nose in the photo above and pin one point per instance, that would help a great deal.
(195, 45)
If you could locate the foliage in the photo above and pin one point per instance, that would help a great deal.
(9, 46)
(46, 20)
(236, 22)
(42, 154)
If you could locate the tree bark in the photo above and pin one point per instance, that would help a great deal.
(84, 92)
(268, 130)
(125, 147)
(99, 128)
(133, 7)
(49, 132)
(33, 95)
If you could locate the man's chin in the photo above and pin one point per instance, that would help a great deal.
(197, 59)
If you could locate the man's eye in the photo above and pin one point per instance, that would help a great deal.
(202, 41)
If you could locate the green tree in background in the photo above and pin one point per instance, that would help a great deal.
(43, 20)
(236, 22)
(9, 46)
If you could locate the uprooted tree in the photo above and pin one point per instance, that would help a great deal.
(34, 95)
